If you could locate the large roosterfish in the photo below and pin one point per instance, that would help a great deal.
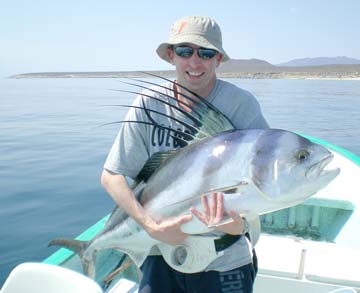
(257, 170)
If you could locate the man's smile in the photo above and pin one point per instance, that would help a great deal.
(194, 74)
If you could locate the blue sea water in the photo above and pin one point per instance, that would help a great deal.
(53, 145)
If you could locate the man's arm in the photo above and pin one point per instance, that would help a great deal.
(167, 231)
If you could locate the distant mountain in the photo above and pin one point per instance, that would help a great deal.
(246, 65)
(318, 61)
(236, 68)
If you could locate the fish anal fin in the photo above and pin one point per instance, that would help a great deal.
(89, 267)
(137, 257)
(138, 247)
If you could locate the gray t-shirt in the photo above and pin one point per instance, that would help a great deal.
(136, 142)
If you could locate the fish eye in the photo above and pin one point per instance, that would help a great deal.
(302, 155)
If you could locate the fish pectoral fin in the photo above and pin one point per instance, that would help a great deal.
(236, 188)
(225, 220)
(196, 226)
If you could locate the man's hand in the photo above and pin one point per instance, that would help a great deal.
(213, 214)
(168, 230)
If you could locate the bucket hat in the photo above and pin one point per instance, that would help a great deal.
(198, 30)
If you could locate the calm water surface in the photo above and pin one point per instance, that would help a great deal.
(52, 148)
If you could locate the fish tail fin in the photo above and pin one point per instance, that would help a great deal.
(76, 246)
(79, 247)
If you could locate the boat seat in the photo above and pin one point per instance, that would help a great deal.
(320, 262)
(328, 262)
(279, 256)
(45, 278)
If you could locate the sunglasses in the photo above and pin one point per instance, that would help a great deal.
(187, 52)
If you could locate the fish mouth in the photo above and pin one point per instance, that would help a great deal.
(318, 170)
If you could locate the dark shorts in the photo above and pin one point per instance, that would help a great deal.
(158, 277)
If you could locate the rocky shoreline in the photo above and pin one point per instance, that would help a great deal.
(252, 69)
(293, 75)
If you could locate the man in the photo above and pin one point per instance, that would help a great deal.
(195, 49)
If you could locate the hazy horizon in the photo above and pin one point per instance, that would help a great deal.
(45, 36)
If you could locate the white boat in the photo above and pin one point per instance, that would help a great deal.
(312, 247)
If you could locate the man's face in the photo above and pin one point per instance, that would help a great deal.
(195, 73)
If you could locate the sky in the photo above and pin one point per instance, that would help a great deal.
(115, 35)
